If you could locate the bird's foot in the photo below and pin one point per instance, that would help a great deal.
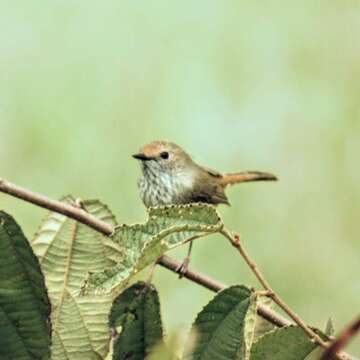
(183, 267)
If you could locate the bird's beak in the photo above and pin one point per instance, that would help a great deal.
(141, 157)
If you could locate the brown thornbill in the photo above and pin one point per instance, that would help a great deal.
(171, 176)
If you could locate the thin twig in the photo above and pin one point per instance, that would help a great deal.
(342, 340)
(165, 261)
(235, 241)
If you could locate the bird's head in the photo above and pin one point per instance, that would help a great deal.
(163, 156)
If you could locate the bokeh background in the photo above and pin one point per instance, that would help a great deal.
(242, 85)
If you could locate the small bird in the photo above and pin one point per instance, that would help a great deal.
(170, 176)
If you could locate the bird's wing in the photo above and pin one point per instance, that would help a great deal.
(211, 172)
(207, 188)
(209, 193)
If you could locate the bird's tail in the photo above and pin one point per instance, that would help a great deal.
(246, 176)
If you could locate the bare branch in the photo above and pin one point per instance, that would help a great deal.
(73, 212)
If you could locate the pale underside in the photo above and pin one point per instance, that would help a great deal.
(180, 187)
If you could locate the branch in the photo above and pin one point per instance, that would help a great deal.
(235, 241)
(82, 216)
(71, 211)
(342, 340)
(213, 285)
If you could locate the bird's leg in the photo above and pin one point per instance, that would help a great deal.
(183, 267)
(151, 272)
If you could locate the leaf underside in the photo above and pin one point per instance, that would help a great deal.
(67, 251)
(24, 306)
(166, 228)
(224, 328)
(262, 325)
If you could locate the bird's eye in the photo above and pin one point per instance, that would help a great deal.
(164, 155)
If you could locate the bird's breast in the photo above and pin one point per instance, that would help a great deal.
(164, 188)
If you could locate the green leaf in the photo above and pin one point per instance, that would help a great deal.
(329, 332)
(24, 306)
(224, 329)
(166, 228)
(315, 354)
(67, 251)
(136, 322)
(81, 328)
(290, 343)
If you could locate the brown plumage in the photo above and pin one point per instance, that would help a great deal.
(170, 176)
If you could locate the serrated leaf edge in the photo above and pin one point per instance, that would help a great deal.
(158, 237)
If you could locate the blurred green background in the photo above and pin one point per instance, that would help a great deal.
(242, 85)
